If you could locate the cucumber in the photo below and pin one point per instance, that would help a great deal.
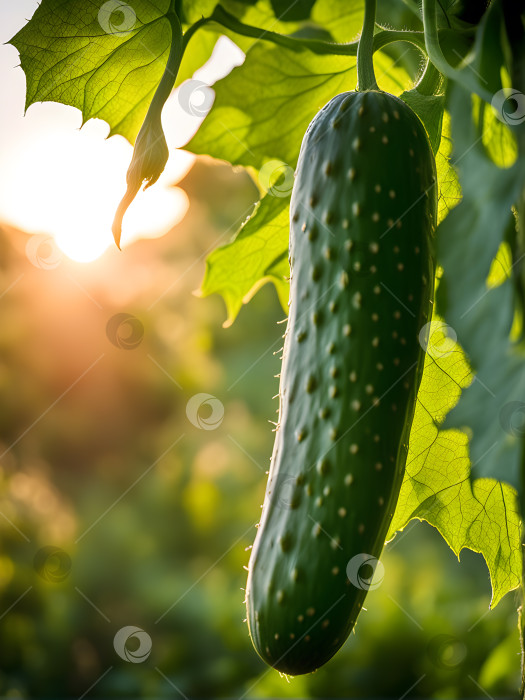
(363, 213)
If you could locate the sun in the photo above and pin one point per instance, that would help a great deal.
(66, 182)
(69, 184)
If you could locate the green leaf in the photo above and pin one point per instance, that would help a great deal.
(199, 51)
(106, 63)
(481, 314)
(429, 108)
(291, 10)
(260, 15)
(490, 47)
(193, 10)
(481, 515)
(449, 187)
(262, 108)
(497, 138)
(257, 255)
(342, 18)
(222, 272)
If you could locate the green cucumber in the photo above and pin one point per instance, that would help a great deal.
(363, 214)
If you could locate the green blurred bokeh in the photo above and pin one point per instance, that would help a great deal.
(153, 534)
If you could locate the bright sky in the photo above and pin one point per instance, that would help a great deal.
(60, 180)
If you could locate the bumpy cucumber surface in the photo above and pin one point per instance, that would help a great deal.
(363, 212)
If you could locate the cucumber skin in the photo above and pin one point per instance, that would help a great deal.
(326, 502)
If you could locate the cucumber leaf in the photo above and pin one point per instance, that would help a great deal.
(472, 502)
(481, 314)
(342, 18)
(106, 59)
(200, 53)
(429, 108)
(270, 223)
(258, 254)
(291, 11)
(193, 10)
(448, 181)
(481, 515)
(263, 107)
(272, 92)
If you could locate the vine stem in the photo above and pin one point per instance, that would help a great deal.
(317, 46)
(465, 77)
(173, 64)
(366, 79)
(151, 152)
(431, 82)
(431, 37)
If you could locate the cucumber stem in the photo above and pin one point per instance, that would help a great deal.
(366, 79)
(431, 37)
(318, 46)
(169, 76)
(466, 79)
(151, 152)
(431, 82)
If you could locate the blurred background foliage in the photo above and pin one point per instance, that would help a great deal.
(155, 534)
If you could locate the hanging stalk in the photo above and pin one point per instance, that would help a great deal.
(366, 79)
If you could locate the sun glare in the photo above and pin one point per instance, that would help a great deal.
(70, 184)
(61, 181)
